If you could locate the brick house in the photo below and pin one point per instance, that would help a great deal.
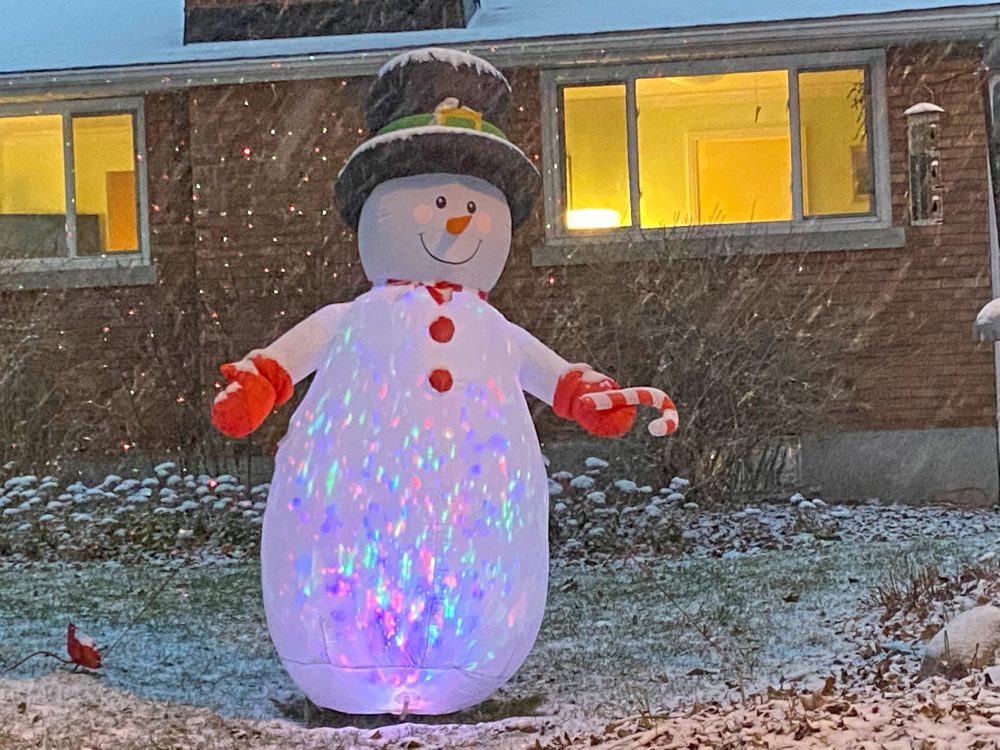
(165, 196)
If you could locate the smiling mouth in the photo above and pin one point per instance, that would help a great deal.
(449, 262)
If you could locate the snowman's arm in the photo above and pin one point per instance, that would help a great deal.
(540, 368)
(301, 349)
(562, 386)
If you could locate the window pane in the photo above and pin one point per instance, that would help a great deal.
(836, 163)
(597, 190)
(714, 149)
(104, 161)
(32, 187)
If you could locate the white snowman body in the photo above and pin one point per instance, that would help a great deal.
(405, 552)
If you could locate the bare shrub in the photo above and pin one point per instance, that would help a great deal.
(44, 416)
(108, 388)
(751, 349)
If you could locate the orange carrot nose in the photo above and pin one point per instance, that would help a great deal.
(457, 224)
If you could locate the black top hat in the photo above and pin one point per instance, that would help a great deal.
(437, 111)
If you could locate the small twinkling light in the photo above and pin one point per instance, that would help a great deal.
(246, 151)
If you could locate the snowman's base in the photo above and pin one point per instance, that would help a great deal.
(393, 690)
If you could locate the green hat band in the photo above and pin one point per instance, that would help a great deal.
(455, 118)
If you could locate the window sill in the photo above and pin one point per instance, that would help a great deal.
(708, 242)
(77, 273)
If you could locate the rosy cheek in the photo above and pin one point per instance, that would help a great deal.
(484, 223)
(422, 213)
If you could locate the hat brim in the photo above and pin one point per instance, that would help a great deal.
(437, 150)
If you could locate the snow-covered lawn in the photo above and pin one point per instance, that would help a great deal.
(626, 637)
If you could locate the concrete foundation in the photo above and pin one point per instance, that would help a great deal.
(939, 466)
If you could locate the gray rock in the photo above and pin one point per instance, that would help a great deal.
(970, 640)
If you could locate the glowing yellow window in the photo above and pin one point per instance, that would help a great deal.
(104, 159)
(836, 161)
(597, 177)
(32, 187)
(42, 215)
(714, 149)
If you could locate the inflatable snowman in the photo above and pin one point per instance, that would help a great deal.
(404, 552)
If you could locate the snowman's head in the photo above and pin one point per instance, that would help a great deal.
(435, 227)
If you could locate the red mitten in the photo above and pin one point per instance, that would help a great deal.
(566, 403)
(277, 376)
(255, 387)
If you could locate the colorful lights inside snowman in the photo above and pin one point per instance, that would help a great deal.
(404, 552)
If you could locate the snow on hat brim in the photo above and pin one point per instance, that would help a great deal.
(437, 149)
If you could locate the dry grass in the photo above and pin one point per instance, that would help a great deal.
(913, 590)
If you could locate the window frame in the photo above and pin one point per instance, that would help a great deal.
(108, 269)
(838, 229)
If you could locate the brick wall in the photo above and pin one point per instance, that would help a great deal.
(234, 20)
(247, 242)
(913, 363)
(110, 369)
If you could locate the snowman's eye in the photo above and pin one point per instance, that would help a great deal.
(471, 207)
(441, 201)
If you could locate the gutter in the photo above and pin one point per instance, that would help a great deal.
(973, 24)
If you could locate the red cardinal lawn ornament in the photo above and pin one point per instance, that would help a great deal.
(81, 649)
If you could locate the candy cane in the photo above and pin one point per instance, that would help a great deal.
(665, 424)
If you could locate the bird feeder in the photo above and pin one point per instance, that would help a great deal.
(922, 132)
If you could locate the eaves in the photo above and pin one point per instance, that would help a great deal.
(970, 24)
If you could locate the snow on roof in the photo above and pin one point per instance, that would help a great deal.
(115, 33)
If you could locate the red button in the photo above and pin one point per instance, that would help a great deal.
(442, 330)
(440, 380)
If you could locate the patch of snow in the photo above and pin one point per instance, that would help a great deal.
(109, 480)
(593, 462)
(165, 468)
(453, 57)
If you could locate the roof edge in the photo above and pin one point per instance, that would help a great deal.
(977, 24)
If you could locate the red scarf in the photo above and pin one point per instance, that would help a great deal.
(441, 291)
